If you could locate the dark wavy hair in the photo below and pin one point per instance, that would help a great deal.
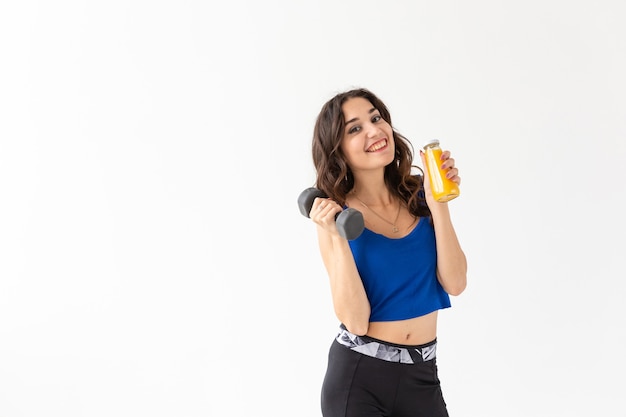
(334, 176)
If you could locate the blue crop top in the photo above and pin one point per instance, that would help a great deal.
(399, 275)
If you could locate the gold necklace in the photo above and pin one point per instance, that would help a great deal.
(393, 225)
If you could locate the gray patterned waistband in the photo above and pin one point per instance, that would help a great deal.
(386, 351)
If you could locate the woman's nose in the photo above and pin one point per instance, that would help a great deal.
(371, 130)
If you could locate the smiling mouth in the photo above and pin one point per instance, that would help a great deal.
(377, 146)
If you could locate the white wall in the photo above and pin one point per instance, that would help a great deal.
(152, 257)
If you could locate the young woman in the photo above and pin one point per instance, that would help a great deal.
(388, 284)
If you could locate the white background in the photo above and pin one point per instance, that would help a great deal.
(153, 261)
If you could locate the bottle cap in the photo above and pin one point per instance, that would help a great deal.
(431, 142)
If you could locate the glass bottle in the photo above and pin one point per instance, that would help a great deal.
(442, 188)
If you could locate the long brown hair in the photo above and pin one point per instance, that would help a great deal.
(334, 176)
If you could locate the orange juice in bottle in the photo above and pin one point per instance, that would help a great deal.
(443, 189)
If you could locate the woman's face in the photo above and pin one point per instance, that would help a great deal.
(367, 139)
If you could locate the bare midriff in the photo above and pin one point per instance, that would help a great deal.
(416, 331)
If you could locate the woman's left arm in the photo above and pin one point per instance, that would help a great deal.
(451, 261)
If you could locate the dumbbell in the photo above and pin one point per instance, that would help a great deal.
(350, 222)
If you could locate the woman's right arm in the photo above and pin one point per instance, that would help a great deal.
(350, 301)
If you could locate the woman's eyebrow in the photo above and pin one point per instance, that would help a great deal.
(372, 110)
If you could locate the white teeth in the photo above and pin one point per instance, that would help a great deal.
(377, 146)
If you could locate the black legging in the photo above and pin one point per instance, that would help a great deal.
(357, 385)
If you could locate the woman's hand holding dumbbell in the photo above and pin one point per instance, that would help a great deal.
(314, 204)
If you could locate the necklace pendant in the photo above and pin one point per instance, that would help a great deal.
(395, 229)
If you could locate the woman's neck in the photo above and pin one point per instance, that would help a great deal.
(372, 195)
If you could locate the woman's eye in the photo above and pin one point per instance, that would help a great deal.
(354, 129)
(376, 119)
